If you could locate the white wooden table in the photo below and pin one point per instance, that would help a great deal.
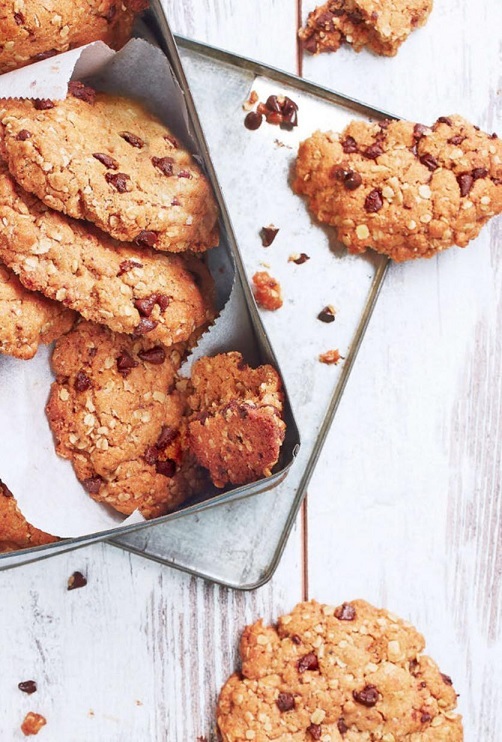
(405, 508)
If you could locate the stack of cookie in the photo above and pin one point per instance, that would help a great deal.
(105, 219)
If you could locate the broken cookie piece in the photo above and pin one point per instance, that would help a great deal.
(235, 429)
(402, 189)
(15, 531)
(380, 26)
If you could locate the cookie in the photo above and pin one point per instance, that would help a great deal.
(402, 189)
(15, 532)
(346, 674)
(32, 30)
(380, 26)
(108, 160)
(28, 319)
(117, 416)
(236, 429)
(127, 288)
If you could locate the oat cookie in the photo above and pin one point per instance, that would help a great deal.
(346, 674)
(28, 319)
(380, 25)
(403, 189)
(108, 160)
(15, 532)
(236, 429)
(116, 414)
(32, 30)
(129, 289)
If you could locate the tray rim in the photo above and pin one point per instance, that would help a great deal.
(260, 69)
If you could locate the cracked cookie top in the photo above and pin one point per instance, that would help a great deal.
(353, 673)
(107, 159)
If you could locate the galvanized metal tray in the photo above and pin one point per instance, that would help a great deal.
(240, 544)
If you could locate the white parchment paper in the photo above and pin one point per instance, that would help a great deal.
(45, 486)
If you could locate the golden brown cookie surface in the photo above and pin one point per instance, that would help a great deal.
(108, 160)
(348, 674)
(15, 531)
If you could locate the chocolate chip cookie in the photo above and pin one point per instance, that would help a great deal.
(346, 674)
(108, 160)
(32, 30)
(117, 415)
(236, 429)
(15, 532)
(28, 319)
(380, 26)
(403, 189)
(129, 289)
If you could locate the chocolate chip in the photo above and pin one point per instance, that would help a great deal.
(289, 110)
(125, 362)
(285, 702)
(314, 730)
(272, 104)
(175, 202)
(253, 120)
(163, 301)
(373, 201)
(151, 455)
(479, 172)
(156, 355)
(147, 238)
(414, 666)
(28, 686)
(110, 14)
(352, 180)
(465, 182)
(341, 725)
(81, 91)
(44, 55)
(384, 123)
(368, 696)
(349, 145)
(132, 139)
(300, 259)
(327, 315)
(82, 382)
(310, 44)
(172, 141)
(444, 120)
(118, 181)
(308, 662)
(457, 139)
(373, 151)
(92, 484)
(166, 468)
(145, 306)
(164, 164)
(419, 130)
(167, 436)
(23, 135)
(128, 265)
(145, 326)
(345, 612)
(429, 161)
(76, 581)
(356, 17)
(296, 639)
(19, 19)
(106, 160)
(425, 717)
(184, 174)
(446, 679)
(43, 104)
(268, 235)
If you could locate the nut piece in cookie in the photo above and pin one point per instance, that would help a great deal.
(36, 30)
(382, 27)
(117, 415)
(236, 429)
(28, 319)
(354, 672)
(128, 288)
(107, 159)
(403, 189)
(15, 532)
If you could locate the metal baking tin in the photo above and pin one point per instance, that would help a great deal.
(250, 326)
(239, 544)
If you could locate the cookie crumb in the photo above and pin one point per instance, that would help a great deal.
(298, 258)
(32, 723)
(249, 104)
(76, 580)
(267, 291)
(331, 357)
(327, 314)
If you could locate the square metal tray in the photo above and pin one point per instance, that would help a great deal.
(240, 544)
